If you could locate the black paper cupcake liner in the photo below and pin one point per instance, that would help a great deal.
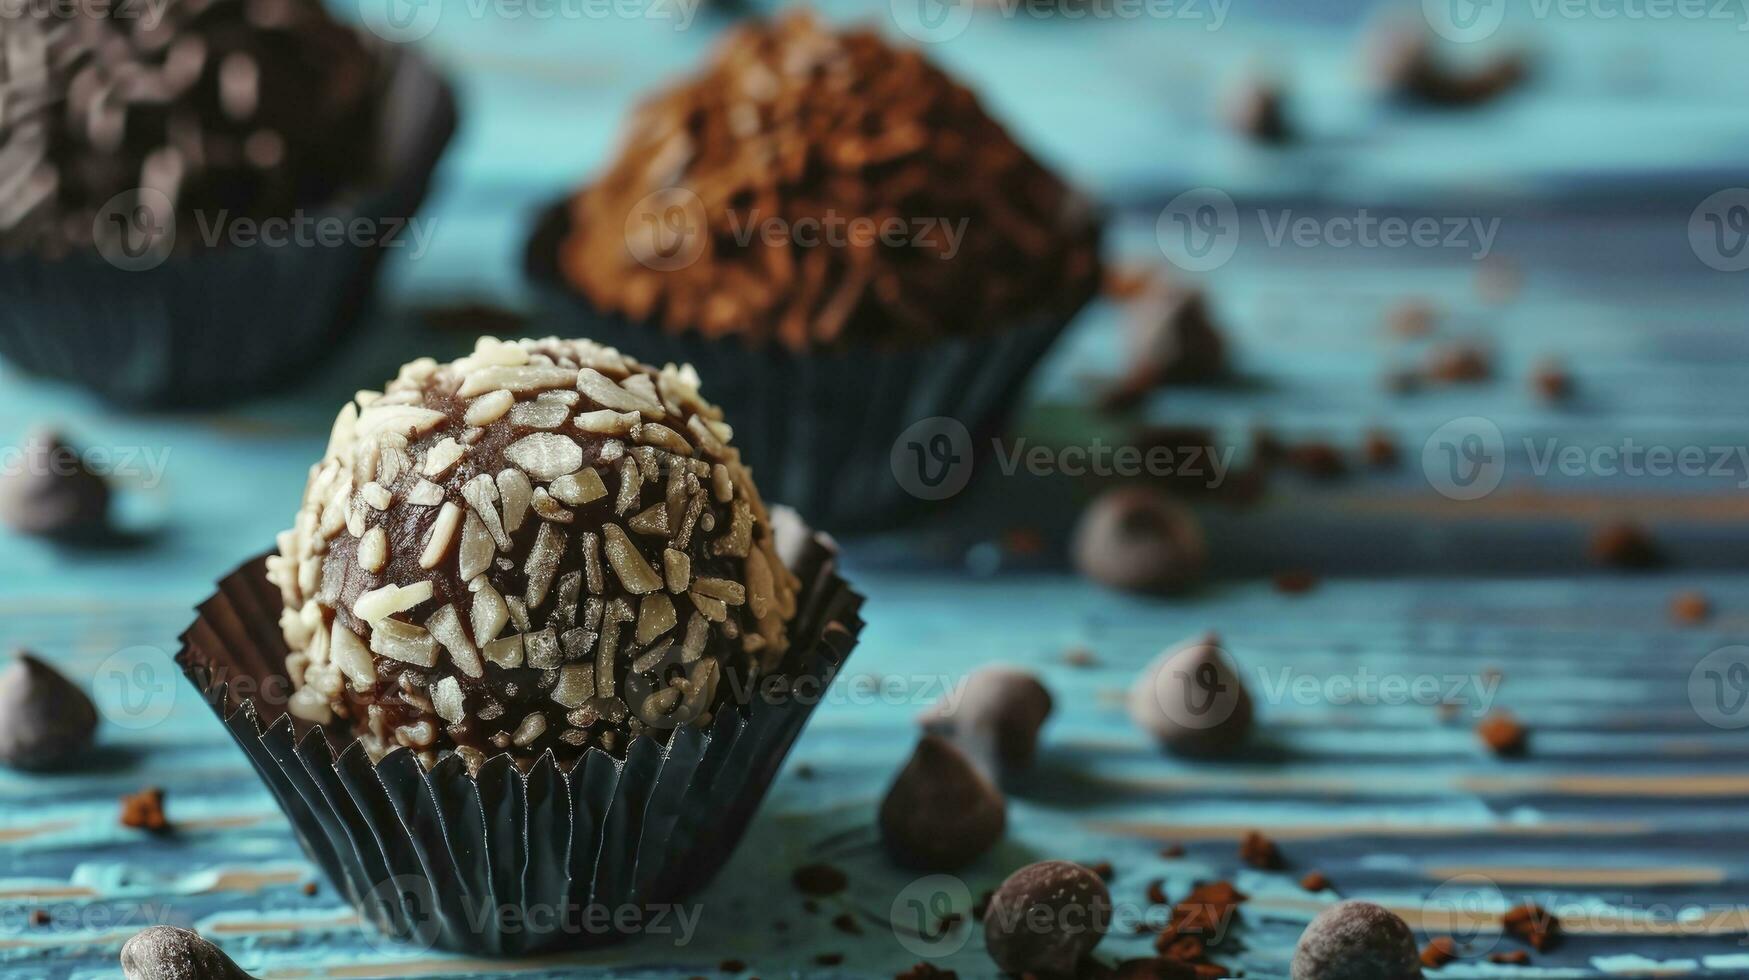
(218, 323)
(507, 863)
(818, 428)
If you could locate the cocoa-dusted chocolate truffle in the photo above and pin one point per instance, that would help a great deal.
(1193, 700)
(169, 953)
(995, 714)
(45, 719)
(545, 545)
(1046, 918)
(942, 812)
(250, 107)
(53, 493)
(711, 217)
(1356, 940)
(1138, 539)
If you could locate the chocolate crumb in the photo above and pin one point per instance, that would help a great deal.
(1295, 581)
(145, 810)
(1260, 852)
(819, 880)
(846, 923)
(1318, 460)
(1459, 364)
(926, 971)
(1314, 881)
(169, 953)
(1257, 109)
(805, 771)
(1503, 734)
(1407, 67)
(1080, 657)
(1200, 919)
(39, 917)
(1438, 952)
(1624, 544)
(1172, 851)
(1157, 892)
(1380, 450)
(1551, 381)
(1532, 924)
(1127, 282)
(1511, 957)
(309, 888)
(1101, 868)
(1690, 608)
(829, 959)
(1411, 319)
(46, 721)
(732, 966)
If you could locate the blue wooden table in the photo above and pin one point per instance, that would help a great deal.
(1627, 818)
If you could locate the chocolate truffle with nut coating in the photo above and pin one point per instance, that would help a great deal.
(545, 545)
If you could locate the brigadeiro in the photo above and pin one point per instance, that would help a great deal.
(539, 579)
(995, 716)
(46, 721)
(1192, 699)
(136, 153)
(169, 953)
(1356, 940)
(54, 493)
(942, 811)
(1137, 539)
(543, 545)
(1046, 918)
(840, 232)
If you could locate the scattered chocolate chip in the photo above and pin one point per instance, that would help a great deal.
(53, 493)
(829, 959)
(1295, 581)
(1127, 282)
(1156, 892)
(1192, 700)
(1624, 544)
(1356, 940)
(1380, 450)
(1137, 539)
(1532, 924)
(1046, 918)
(1411, 319)
(941, 812)
(169, 953)
(1690, 608)
(1503, 734)
(310, 888)
(1172, 333)
(1458, 364)
(1438, 952)
(1080, 657)
(926, 971)
(45, 720)
(1103, 869)
(1314, 881)
(1551, 381)
(1200, 920)
(1260, 852)
(1406, 66)
(1256, 109)
(1511, 957)
(145, 810)
(846, 923)
(993, 716)
(1172, 851)
(39, 917)
(819, 880)
(732, 966)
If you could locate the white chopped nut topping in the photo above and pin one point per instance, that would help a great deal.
(531, 377)
(490, 614)
(349, 653)
(533, 726)
(425, 494)
(404, 642)
(402, 420)
(602, 390)
(607, 422)
(545, 456)
(489, 408)
(446, 626)
(443, 457)
(516, 493)
(376, 495)
(447, 701)
(373, 550)
(506, 652)
(443, 532)
(579, 488)
(377, 605)
(634, 572)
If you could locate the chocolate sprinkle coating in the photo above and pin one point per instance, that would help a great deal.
(1356, 940)
(942, 812)
(1046, 918)
(545, 545)
(169, 953)
(793, 124)
(253, 107)
(45, 719)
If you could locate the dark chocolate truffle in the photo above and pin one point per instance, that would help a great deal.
(1138, 539)
(1046, 918)
(1356, 941)
(543, 546)
(250, 107)
(710, 219)
(45, 720)
(169, 953)
(1172, 335)
(1192, 699)
(994, 715)
(942, 812)
(53, 493)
